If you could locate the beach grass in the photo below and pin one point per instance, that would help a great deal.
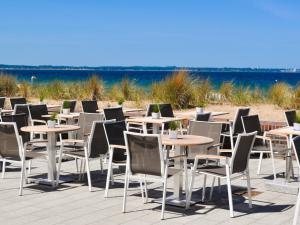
(180, 89)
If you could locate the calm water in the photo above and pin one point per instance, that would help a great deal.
(146, 78)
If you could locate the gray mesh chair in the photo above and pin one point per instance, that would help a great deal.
(290, 117)
(12, 149)
(146, 158)
(95, 147)
(262, 145)
(296, 149)
(2, 102)
(17, 100)
(37, 112)
(116, 144)
(236, 127)
(236, 168)
(206, 129)
(203, 116)
(114, 113)
(89, 106)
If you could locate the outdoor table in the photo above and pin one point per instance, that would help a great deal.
(180, 143)
(51, 146)
(191, 114)
(156, 122)
(288, 132)
(70, 120)
(126, 110)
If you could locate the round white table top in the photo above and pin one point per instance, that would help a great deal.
(186, 140)
(46, 129)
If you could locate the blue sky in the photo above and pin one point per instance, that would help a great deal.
(211, 33)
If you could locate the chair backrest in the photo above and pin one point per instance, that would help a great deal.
(97, 142)
(85, 122)
(251, 124)
(89, 106)
(114, 132)
(115, 113)
(72, 104)
(206, 129)
(144, 153)
(241, 152)
(203, 116)
(237, 123)
(296, 148)
(37, 111)
(14, 101)
(21, 120)
(150, 109)
(290, 117)
(10, 143)
(2, 102)
(166, 110)
(22, 108)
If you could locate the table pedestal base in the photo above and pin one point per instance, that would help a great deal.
(43, 180)
(181, 203)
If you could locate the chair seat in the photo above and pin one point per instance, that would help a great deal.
(76, 153)
(215, 170)
(260, 148)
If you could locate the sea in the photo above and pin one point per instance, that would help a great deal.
(144, 78)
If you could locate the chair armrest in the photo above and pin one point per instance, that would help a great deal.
(264, 138)
(118, 146)
(72, 141)
(210, 157)
(38, 121)
(177, 156)
(214, 146)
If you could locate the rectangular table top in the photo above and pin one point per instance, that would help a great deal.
(284, 131)
(149, 119)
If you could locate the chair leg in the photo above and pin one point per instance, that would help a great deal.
(259, 163)
(29, 167)
(126, 184)
(76, 162)
(212, 188)
(219, 185)
(88, 173)
(22, 177)
(109, 175)
(146, 188)
(164, 199)
(186, 180)
(142, 190)
(296, 209)
(203, 189)
(273, 163)
(3, 168)
(249, 189)
(229, 195)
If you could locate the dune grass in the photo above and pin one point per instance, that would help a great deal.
(180, 89)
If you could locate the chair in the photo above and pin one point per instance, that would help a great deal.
(206, 129)
(115, 113)
(37, 112)
(89, 106)
(21, 120)
(262, 145)
(150, 109)
(23, 108)
(203, 116)
(13, 150)
(166, 110)
(236, 168)
(95, 147)
(116, 145)
(237, 126)
(290, 117)
(85, 122)
(146, 158)
(72, 105)
(2, 102)
(17, 100)
(296, 149)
